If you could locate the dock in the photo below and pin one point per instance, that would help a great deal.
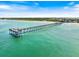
(17, 32)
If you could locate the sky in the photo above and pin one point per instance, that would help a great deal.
(39, 8)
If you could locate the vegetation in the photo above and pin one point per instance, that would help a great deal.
(46, 19)
(34, 19)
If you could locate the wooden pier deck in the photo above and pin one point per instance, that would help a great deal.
(18, 31)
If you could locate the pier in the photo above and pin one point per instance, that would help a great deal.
(17, 32)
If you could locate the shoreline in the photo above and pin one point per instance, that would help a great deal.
(30, 20)
(36, 21)
(44, 21)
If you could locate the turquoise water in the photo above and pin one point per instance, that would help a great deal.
(61, 40)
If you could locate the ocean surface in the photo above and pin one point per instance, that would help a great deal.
(61, 40)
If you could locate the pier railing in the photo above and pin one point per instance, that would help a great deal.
(18, 31)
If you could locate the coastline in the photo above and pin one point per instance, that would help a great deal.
(36, 21)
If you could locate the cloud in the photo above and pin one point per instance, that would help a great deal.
(72, 10)
(36, 3)
(5, 7)
(14, 7)
(39, 13)
(21, 8)
(16, 10)
(75, 7)
(66, 7)
(71, 3)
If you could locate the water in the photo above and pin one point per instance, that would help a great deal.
(61, 40)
